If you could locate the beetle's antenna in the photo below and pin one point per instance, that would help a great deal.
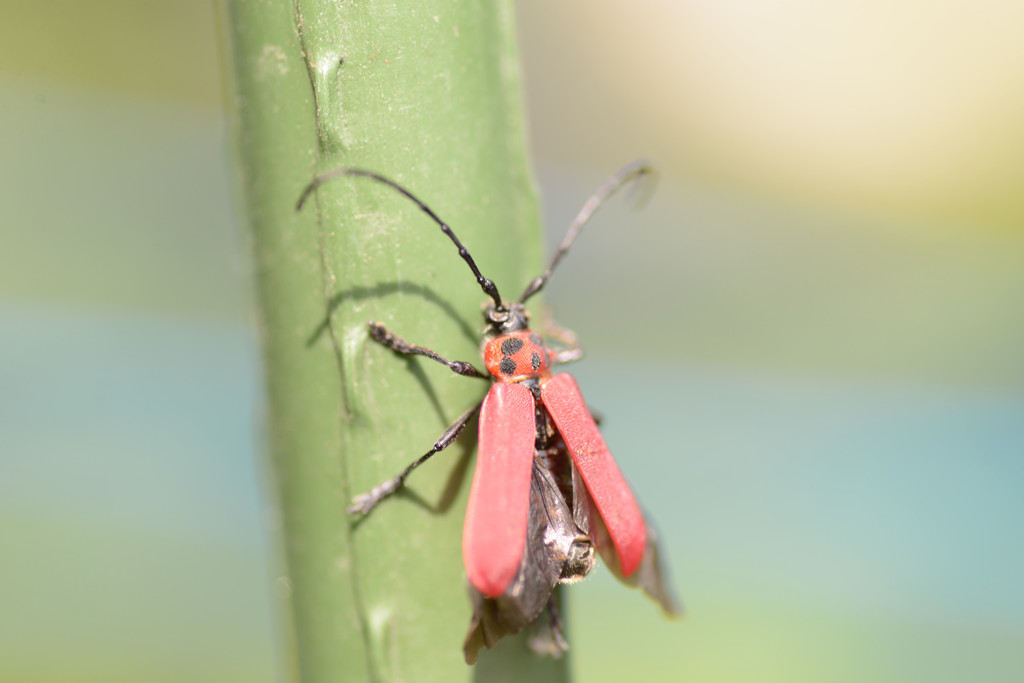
(622, 177)
(490, 289)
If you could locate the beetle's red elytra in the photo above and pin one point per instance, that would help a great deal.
(494, 534)
(546, 492)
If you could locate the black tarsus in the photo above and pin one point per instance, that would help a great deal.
(488, 287)
(612, 185)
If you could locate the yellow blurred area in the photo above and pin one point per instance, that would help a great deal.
(162, 50)
(905, 108)
(880, 108)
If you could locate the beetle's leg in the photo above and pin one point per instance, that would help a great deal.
(546, 634)
(555, 615)
(567, 338)
(364, 502)
(384, 336)
(565, 356)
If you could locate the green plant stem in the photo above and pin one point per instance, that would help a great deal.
(428, 94)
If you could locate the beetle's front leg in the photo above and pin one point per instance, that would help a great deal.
(384, 336)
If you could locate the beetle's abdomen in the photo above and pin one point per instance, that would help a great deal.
(516, 356)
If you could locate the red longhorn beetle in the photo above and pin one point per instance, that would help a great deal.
(546, 491)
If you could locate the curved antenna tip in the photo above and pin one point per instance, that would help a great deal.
(625, 175)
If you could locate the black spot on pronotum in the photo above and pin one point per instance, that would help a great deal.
(511, 345)
(535, 360)
(507, 366)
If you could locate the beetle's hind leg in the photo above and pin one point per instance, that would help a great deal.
(364, 502)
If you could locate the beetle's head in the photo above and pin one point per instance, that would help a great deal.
(509, 318)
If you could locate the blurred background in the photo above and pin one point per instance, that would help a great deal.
(807, 344)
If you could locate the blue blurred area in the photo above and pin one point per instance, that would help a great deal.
(844, 496)
(167, 404)
(131, 499)
(818, 530)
